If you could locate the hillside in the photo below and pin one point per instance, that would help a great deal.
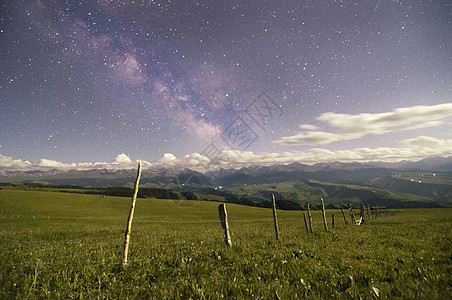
(60, 245)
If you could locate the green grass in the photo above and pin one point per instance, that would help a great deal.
(60, 245)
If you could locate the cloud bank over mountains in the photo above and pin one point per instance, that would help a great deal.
(350, 127)
(410, 149)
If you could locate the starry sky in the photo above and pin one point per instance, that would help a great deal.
(223, 83)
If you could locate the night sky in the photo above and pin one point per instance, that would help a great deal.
(205, 84)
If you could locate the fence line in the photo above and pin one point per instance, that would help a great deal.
(152, 219)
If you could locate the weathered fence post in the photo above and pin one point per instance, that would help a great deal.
(324, 215)
(309, 218)
(352, 216)
(275, 218)
(224, 223)
(305, 223)
(332, 220)
(368, 212)
(129, 221)
(342, 210)
(362, 212)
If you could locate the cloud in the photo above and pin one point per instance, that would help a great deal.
(47, 163)
(167, 161)
(122, 158)
(307, 127)
(8, 163)
(122, 161)
(352, 127)
(424, 141)
(410, 149)
(316, 138)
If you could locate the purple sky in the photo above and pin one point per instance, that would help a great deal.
(261, 82)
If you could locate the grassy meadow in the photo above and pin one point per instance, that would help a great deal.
(60, 245)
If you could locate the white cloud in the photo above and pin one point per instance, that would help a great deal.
(316, 138)
(122, 158)
(122, 161)
(47, 163)
(168, 159)
(409, 149)
(307, 127)
(426, 141)
(9, 163)
(352, 127)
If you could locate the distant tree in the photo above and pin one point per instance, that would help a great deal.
(189, 195)
(287, 205)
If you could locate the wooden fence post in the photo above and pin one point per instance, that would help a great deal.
(275, 218)
(352, 216)
(324, 215)
(305, 223)
(362, 212)
(129, 221)
(224, 223)
(309, 218)
(342, 210)
(332, 220)
(368, 212)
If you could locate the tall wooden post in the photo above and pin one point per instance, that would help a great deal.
(352, 216)
(129, 221)
(324, 215)
(224, 223)
(362, 212)
(275, 218)
(342, 210)
(368, 212)
(309, 218)
(305, 223)
(332, 220)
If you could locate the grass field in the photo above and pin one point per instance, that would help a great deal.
(60, 245)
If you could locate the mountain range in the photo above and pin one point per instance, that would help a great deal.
(426, 183)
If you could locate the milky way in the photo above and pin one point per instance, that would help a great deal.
(284, 80)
